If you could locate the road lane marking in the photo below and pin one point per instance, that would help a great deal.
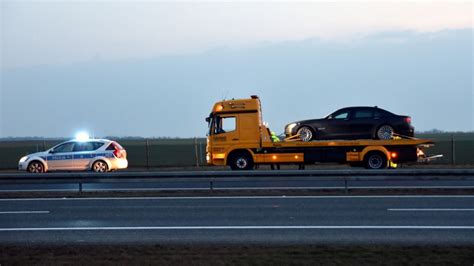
(23, 212)
(241, 197)
(232, 228)
(429, 209)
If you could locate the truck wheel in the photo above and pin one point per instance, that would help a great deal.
(241, 161)
(36, 167)
(375, 160)
(385, 132)
(306, 134)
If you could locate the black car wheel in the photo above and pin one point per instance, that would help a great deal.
(385, 132)
(306, 134)
(36, 167)
(241, 161)
(375, 160)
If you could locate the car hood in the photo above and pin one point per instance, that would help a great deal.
(308, 121)
(37, 154)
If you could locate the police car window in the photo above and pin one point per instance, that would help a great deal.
(86, 146)
(111, 147)
(363, 114)
(114, 145)
(66, 147)
(97, 145)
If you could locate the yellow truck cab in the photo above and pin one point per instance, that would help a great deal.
(237, 137)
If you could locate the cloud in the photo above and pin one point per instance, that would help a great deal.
(427, 76)
(57, 32)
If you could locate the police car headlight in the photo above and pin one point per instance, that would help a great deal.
(290, 127)
(23, 159)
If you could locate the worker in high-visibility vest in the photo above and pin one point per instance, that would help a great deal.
(275, 138)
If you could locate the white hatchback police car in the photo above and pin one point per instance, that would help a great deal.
(98, 155)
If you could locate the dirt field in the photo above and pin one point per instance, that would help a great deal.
(158, 153)
(237, 255)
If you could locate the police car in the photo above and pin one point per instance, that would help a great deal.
(98, 155)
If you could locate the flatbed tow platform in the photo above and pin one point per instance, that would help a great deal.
(237, 137)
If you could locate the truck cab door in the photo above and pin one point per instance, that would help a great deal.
(225, 130)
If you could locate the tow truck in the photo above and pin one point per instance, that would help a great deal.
(238, 137)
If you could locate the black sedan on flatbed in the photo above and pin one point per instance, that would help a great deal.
(353, 123)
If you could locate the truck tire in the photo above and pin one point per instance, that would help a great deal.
(375, 160)
(241, 161)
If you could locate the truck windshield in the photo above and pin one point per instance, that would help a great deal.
(216, 123)
(210, 121)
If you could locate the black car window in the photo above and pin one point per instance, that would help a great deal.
(66, 147)
(363, 113)
(341, 115)
(382, 113)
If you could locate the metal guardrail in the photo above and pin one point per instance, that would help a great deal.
(210, 177)
(259, 173)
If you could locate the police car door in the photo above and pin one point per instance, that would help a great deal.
(83, 154)
(60, 158)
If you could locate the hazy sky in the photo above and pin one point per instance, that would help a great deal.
(136, 68)
(64, 32)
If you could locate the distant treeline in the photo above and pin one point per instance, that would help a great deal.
(439, 131)
(431, 131)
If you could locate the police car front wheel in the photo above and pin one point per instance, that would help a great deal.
(36, 167)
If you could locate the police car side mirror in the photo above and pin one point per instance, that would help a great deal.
(51, 151)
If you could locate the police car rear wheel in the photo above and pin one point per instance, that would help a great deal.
(100, 167)
(36, 167)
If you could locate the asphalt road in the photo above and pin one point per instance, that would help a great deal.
(261, 220)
